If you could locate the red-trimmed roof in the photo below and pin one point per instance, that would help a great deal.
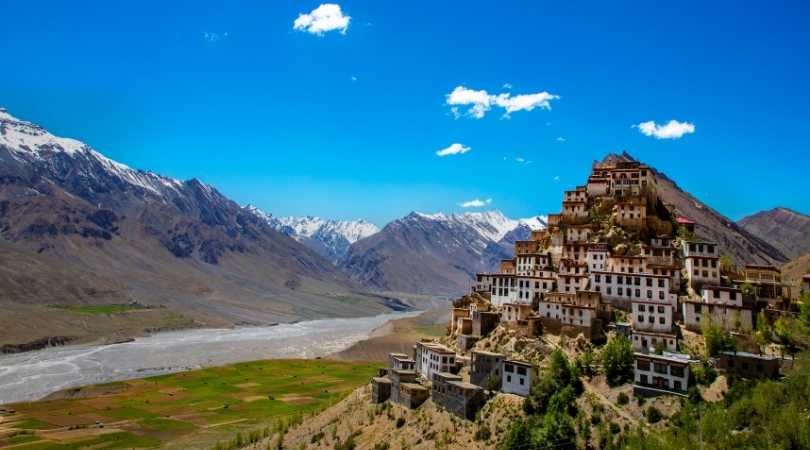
(684, 220)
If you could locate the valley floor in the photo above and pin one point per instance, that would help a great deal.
(187, 410)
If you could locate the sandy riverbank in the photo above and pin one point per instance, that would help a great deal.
(396, 335)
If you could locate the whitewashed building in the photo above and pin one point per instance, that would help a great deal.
(596, 257)
(431, 358)
(518, 377)
(702, 263)
(667, 373)
(622, 288)
(723, 306)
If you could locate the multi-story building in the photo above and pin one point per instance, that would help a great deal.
(769, 289)
(598, 186)
(620, 289)
(485, 369)
(630, 212)
(630, 179)
(456, 396)
(702, 262)
(581, 312)
(431, 358)
(401, 361)
(627, 264)
(667, 373)
(596, 257)
(518, 377)
(578, 233)
(574, 212)
(723, 306)
(503, 289)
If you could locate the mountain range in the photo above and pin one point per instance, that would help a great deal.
(330, 238)
(79, 228)
(435, 253)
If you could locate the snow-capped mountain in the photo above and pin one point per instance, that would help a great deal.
(436, 253)
(330, 238)
(492, 225)
(129, 234)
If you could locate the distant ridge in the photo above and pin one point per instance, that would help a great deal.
(783, 228)
(435, 253)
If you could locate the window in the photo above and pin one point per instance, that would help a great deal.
(661, 310)
(676, 371)
(660, 368)
(641, 308)
(643, 364)
(521, 370)
(661, 320)
(716, 293)
(649, 293)
(660, 295)
(640, 318)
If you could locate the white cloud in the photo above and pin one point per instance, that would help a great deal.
(475, 203)
(214, 37)
(522, 160)
(454, 149)
(479, 102)
(507, 86)
(560, 139)
(525, 102)
(324, 18)
(557, 178)
(354, 78)
(672, 130)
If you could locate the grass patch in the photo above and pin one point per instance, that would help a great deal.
(190, 409)
(98, 309)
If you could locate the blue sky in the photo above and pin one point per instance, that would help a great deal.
(347, 124)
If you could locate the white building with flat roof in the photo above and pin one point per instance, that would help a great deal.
(667, 373)
(622, 288)
(722, 306)
(518, 377)
(431, 358)
(702, 263)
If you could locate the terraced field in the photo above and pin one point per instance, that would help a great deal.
(184, 410)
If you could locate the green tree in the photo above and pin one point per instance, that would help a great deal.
(617, 360)
(727, 265)
(716, 338)
(519, 436)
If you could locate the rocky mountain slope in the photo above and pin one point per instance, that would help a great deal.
(795, 269)
(435, 253)
(732, 239)
(89, 229)
(330, 238)
(785, 229)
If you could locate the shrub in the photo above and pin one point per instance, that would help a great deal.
(400, 422)
(623, 399)
(717, 339)
(482, 433)
(614, 428)
(653, 415)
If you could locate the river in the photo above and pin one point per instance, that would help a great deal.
(33, 375)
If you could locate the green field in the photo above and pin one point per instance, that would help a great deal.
(99, 309)
(185, 410)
